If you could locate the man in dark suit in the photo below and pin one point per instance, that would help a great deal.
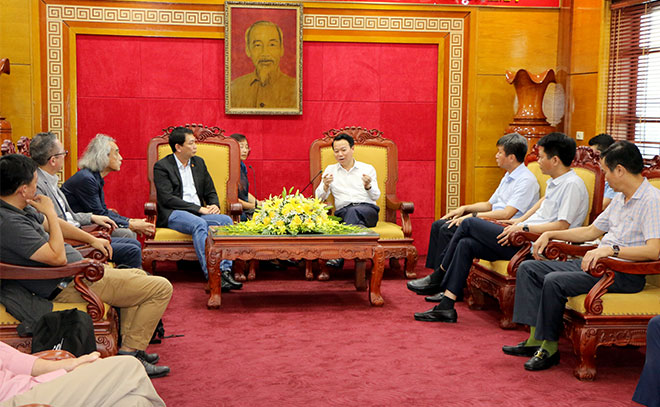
(187, 201)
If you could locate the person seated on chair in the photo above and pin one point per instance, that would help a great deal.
(600, 143)
(245, 198)
(47, 151)
(564, 206)
(631, 224)
(517, 192)
(648, 387)
(186, 197)
(84, 189)
(354, 186)
(83, 381)
(37, 240)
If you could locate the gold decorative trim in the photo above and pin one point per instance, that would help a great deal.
(58, 14)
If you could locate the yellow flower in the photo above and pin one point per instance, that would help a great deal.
(266, 220)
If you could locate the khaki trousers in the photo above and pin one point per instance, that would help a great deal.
(142, 300)
(117, 381)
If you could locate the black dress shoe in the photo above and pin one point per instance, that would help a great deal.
(225, 287)
(229, 279)
(423, 286)
(437, 315)
(153, 371)
(541, 360)
(435, 298)
(336, 263)
(520, 349)
(152, 358)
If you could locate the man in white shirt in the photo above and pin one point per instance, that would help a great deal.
(354, 186)
(517, 192)
(564, 206)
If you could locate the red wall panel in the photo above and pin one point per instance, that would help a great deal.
(132, 87)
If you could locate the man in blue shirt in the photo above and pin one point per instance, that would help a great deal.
(600, 143)
(517, 192)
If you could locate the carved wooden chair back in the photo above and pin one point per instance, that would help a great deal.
(221, 156)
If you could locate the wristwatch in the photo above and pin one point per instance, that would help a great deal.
(616, 250)
(525, 228)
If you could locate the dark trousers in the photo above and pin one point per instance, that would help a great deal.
(439, 239)
(543, 287)
(474, 238)
(126, 251)
(648, 388)
(365, 214)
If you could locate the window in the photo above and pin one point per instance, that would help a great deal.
(633, 94)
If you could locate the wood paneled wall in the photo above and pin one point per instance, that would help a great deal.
(19, 98)
(504, 39)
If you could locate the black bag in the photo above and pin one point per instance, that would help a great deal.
(71, 330)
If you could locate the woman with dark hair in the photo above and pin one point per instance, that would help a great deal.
(246, 199)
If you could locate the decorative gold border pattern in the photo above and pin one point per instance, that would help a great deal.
(57, 14)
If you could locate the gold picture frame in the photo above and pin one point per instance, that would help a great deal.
(263, 58)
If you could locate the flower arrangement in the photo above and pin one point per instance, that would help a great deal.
(291, 214)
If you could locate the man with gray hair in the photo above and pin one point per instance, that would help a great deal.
(84, 190)
(517, 192)
(47, 151)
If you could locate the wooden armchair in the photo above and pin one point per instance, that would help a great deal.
(222, 158)
(498, 278)
(372, 148)
(599, 318)
(104, 317)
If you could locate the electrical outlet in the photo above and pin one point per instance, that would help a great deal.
(579, 135)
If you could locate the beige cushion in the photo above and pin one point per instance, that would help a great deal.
(170, 235)
(645, 302)
(7, 319)
(388, 231)
(499, 266)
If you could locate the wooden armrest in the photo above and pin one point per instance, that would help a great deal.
(86, 269)
(521, 238)
(524, 241)
(405, 208)
(54, 355)
(556, 250)
(605, 268)
(150, 212)
(392, 202)
(14, 272)
(94, 228)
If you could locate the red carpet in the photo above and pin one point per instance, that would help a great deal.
(284, 341)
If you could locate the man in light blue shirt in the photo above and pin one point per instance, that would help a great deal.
(517, 192)
(601, 143)
(631, 224)
(564, 206)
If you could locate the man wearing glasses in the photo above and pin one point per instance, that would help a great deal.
(47, 151)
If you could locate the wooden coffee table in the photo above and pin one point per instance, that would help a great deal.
(359, 246)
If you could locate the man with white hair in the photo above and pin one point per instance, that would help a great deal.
(47, 151)
(84, 190)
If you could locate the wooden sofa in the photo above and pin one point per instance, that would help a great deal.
(221, 155)
(498, 278)
(372, 148)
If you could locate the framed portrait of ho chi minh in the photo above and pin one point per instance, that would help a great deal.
(263, 58)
